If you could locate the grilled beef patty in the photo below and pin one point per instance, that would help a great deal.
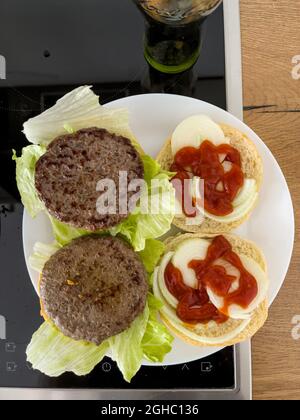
(93, 288)
(66, 176)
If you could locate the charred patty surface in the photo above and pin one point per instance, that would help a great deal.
(66, 176)
(94, 288)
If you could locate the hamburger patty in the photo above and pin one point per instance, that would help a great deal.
(66, 176)
(93, 288)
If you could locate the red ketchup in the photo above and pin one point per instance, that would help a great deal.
(194, 304)
(220, 187)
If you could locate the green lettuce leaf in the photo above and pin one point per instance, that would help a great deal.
(63, 233)
(126, 348)
(41, 254)
(25, 169)
(154, 214)
(147, 338)
(152, 168)
(157, 341)
(151, 254)
(78, 109)
(53, 354)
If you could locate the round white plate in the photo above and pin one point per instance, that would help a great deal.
(153, 118)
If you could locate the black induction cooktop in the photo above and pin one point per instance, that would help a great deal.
(50, 48)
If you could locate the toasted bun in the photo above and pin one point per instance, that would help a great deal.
(252, 167)
(259, 317)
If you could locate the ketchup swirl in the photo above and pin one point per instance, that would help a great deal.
(220, 187)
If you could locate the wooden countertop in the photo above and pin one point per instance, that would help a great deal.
(270, 40)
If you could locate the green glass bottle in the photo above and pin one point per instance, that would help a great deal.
(173, 32)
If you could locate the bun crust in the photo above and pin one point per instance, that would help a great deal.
(252, 167)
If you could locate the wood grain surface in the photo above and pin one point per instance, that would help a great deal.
(270, 40)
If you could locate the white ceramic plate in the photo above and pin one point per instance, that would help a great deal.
(271, 227)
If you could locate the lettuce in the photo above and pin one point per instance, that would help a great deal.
(154, 220)
(151, 254)
(41, 254)
(63, 233)
(157, 341)
(126, 348)
(25, 169)
(78, 109)
(53, 354)
(152, 169)
(147, 338)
